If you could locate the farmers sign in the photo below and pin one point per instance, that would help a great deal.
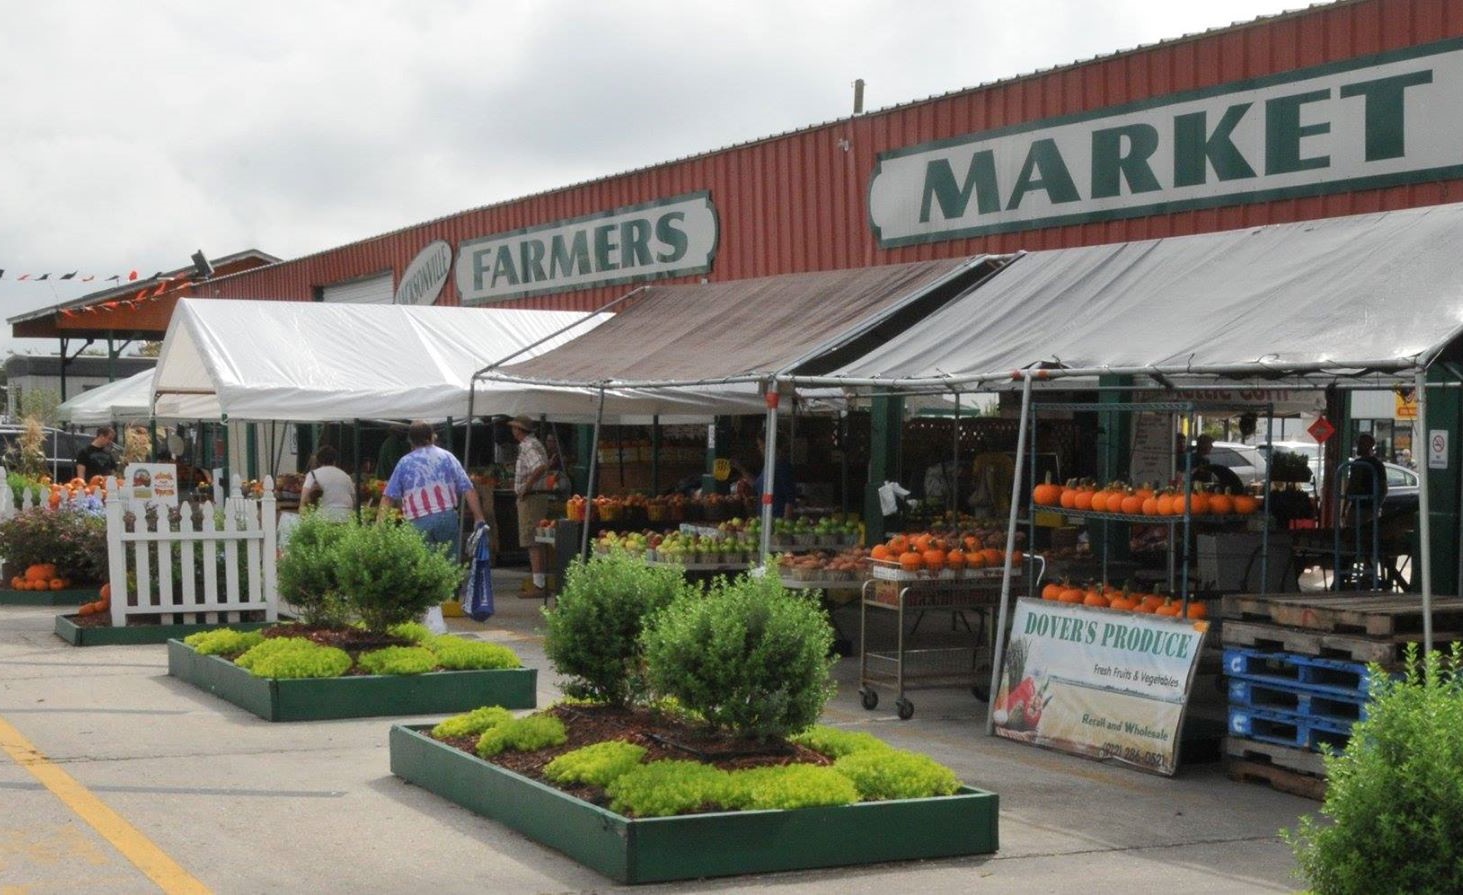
(1370, 122)
(1098, 682)
(670, 238)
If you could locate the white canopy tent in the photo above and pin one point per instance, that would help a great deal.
(1363, 301)
(123, 399)
(315, 362)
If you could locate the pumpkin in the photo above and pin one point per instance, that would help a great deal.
(1150, 505)
(1245, 504)
(1221, 504)
(1199, 503)
(1084, 498)
(1098, 502)
(899, 545)
(57, 584)
(16, 582)
(993, 557)
(40, 572)
(955, 559)
(1053, 590)
(1198, 610)
(910, 561)
(1095, 598)
(1122, 602)
(934, 559)
(973, 544)
(1169, 608)
(106, 592)
(1047, 494)
(1068, 499)
(880, 553)
(1072, 595)
(1132, 504)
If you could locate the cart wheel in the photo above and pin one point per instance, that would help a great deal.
(906, 709)
(869, 698)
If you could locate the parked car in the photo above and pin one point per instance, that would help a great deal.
(61, 449)
(1315, 461)
(1244, 460)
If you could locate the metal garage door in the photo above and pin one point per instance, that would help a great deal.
(377, 290)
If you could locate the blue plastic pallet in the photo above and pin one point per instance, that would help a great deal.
(1330, 675)
(1287, 728)
(1297, 698)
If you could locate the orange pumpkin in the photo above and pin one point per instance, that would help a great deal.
(1245, 504)
(17, 582)
(1095, 598)
(1098, 502)
(955, 559)
(880, 552)
(1053, 590)
(1198, 610)
(1072, 595)
(57, 583)
(1132, 504)
(1083, 500)
(910, 561)
(1068, 499)
(106, 592)
(1047, 494)
(934, 559)
(1122, 602)
(1221, 504)
(1169, 608)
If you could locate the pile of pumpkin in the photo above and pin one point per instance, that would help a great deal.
(40, 576)
(932, 553)
(1108, 596)
(73, 489)
(1146, 500)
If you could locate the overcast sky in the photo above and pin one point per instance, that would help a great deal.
(136, 132)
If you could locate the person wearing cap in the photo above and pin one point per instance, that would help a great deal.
(428, 484)
(530, 484)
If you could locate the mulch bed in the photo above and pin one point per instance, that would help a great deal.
(663, 737)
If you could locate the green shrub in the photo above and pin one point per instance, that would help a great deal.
(416, 632)
(751, 656)
(73, 539)
(593, 635)
(389, 574)
(223, 641)
(788, 786)
(294, 657)
(399, 660)
(307, 571)
(472, 723)
(597, 764)
(667, 788)
(460, 654)
(522, 735)
(836, 743)
(895, 774)
(1395, 793)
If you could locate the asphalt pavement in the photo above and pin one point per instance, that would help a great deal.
(116, 778)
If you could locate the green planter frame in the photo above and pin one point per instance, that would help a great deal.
(356, 696)
(693, 846)
(70, 596)
(132, 635)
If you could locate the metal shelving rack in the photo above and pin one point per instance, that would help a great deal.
(1186, 520)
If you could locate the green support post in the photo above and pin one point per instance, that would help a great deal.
(579, 470)
(251, 449)
(1114, 438)
(718, 444)
(886, 428)
(1445, 412)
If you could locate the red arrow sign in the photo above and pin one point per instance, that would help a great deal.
(1321, 429)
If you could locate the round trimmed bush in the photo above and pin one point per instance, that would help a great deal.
(751, 656)
(399, 660)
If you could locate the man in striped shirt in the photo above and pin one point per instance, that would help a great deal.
(428, 484)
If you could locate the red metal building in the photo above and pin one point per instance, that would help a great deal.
(1337, 100)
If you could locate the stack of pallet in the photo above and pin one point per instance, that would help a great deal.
(1297, 674)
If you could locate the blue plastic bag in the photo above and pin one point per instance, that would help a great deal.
(479, 603)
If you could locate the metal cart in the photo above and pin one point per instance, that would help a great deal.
(908, 667)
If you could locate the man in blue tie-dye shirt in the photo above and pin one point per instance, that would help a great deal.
(428, 484)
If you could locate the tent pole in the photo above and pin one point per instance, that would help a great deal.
(769, 471)
(1424, 525)
(599, 416)
(953, 483)
(1000, 631)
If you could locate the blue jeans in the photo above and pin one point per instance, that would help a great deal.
(439, 528)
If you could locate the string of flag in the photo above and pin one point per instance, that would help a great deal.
(73, 275)
(149, 293)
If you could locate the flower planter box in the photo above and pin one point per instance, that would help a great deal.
(698, 845)
(70, 596)
(106, 635)
(358, 696)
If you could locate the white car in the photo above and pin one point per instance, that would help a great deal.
(1244, 460)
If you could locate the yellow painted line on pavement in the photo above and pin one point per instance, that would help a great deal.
(131, 843)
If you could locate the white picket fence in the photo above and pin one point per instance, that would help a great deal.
(248, 534)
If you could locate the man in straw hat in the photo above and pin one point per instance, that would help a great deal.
(530, 483)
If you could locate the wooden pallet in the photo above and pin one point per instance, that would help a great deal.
(1296, 784)
(1386, 651)
(1300, 761)
(1372, 614)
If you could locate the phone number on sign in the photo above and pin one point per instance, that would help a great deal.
(1142, 757)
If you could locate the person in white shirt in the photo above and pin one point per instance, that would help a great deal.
(330, 486)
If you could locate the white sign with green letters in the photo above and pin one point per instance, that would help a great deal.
(1373, 122)
(668, 238)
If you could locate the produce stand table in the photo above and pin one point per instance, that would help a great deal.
(905, 668)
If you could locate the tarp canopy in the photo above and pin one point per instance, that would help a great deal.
(695, 340)
(314, 362)
(94, 407)
(1376, 292)
(130, 399)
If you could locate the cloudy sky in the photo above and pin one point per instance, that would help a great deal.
(137, 133)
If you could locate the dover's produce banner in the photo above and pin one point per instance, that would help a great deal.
(1097, 682)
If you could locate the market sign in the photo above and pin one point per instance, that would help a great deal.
(424, 277)
(151, 484)
(668, 238)
(1098, 682)
(1375, 121)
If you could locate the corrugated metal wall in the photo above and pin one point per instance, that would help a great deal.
(799, 202)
